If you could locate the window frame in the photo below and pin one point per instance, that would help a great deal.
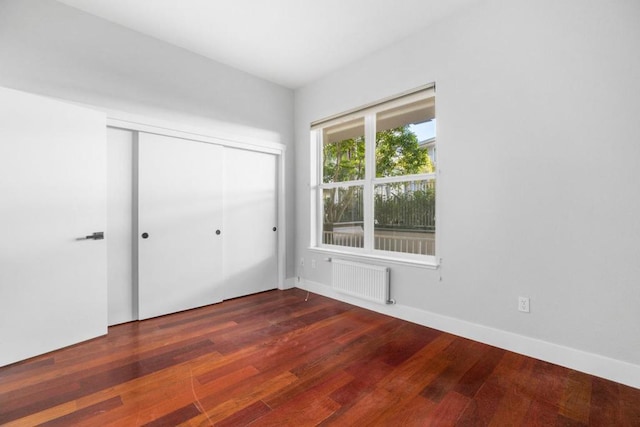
(368, 183)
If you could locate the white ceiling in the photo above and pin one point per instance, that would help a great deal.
(289, 42)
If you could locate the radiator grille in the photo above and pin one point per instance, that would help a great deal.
(366, 281)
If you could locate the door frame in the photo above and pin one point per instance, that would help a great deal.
(136, 124)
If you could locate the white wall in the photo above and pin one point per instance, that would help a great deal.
(538, 146)
(52, 49)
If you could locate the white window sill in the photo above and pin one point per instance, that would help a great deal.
(361, 257)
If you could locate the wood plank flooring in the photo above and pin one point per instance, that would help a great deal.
(274, 359)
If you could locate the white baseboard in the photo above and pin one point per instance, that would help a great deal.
(590, 363)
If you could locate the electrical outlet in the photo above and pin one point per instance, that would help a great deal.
(313, 263)
(523, 304)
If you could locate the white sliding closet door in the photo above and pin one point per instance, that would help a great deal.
(179, 233)
(53, 281)
(122, 295)
(250, 200)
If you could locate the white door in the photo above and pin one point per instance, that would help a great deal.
(53, 287)
(250, 214)
(123, 305)
(179, 232)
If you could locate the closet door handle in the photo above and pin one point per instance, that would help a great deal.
(275, 228)
(218, 232)
(145, 235)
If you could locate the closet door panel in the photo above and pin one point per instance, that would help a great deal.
(250, 200)
(122, 294)
(179, 232)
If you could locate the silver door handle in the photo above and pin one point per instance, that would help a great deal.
(98, 235)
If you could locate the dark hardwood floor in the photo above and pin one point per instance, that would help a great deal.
(274, 359)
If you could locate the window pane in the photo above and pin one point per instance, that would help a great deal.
(343, 216)
(426, 133)
(405, 216)
(343, 152)
(403, 135)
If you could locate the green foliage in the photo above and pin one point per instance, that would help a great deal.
(343, 204)
(397, 153)
(404, 209)
(343, 160)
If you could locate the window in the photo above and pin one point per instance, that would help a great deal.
(376, 181)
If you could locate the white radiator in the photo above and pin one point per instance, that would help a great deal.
(366, 281)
